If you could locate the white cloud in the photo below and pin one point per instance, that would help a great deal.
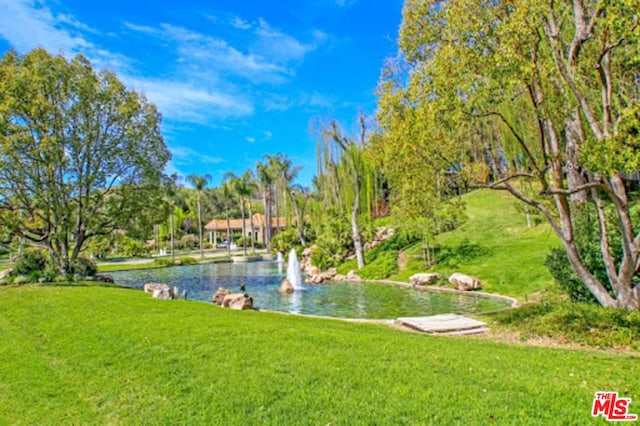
(185, 156)
(240, 23)
(206, 78)
(184, 101)
(26, 24)
(345, 3)
(250, 139)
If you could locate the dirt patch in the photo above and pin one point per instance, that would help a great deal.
(403, 259)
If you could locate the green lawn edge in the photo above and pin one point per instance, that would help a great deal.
(102, 354)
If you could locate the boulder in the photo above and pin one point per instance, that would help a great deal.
(237, 301)
(286, 287)
(151, 287)
(339, 278)
(5, 274)
(465, 282)
(423, 278)
(331, 272)
(161, 291)
(314, 270)
(353, 277)
(105, 278)
(219, 295)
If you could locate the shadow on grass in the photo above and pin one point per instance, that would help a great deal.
(85, 284)
(460, 254)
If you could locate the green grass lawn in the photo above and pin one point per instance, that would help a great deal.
(126, 266)
(105, 355)
(495, 245)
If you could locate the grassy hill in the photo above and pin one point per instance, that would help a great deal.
(495, 245)
(104, 355)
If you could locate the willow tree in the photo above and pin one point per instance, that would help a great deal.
(570, 70)
(346, 180)
(80, 154)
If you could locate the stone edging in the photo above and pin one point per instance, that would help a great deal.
(513, 301)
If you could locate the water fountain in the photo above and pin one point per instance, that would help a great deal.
(280, 262)
(293, 271)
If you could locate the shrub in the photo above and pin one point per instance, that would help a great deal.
(284, 241)
(587, 239)
(21, 279)
(132, 248)
(163, 261)
(190, 241)
(385, 265)
(187, 260)
(30, 261)
(583, 323)
(323, 259)
(85, 267)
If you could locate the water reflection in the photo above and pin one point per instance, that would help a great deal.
(262, 279)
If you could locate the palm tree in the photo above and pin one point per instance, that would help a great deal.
(199, 182)
(266, 180)
(243, 189)
(169, 198)
(226, 194)
(284, 175)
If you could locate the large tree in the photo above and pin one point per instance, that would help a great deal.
(531, 94)
(80, 154)
(345, 178)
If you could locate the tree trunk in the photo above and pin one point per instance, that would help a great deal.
(267, 218)
(244, 228)
(228, 230)
(277, 213)
(355, 229)
(253, 244)
(171, 232)
(200, 226)
(574, 137)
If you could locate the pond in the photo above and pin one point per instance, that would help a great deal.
(345, 300)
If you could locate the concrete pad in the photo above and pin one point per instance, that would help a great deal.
(444, 324)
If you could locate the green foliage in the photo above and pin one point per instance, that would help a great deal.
(495, 245)
(129, 247)
(22, 279)
(587, 240)
(31, 261)
(186, 260)
(581, 323)
(85, 267)
(384, 265)
(101, 246)
(168, 261)
(163, 261)
(382, 260)
(188, 241)
(285, 240)
(80, 154)
(324, 259)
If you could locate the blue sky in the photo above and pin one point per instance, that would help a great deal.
(234, 80)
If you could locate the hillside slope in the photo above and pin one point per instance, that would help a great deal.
(495, 245)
